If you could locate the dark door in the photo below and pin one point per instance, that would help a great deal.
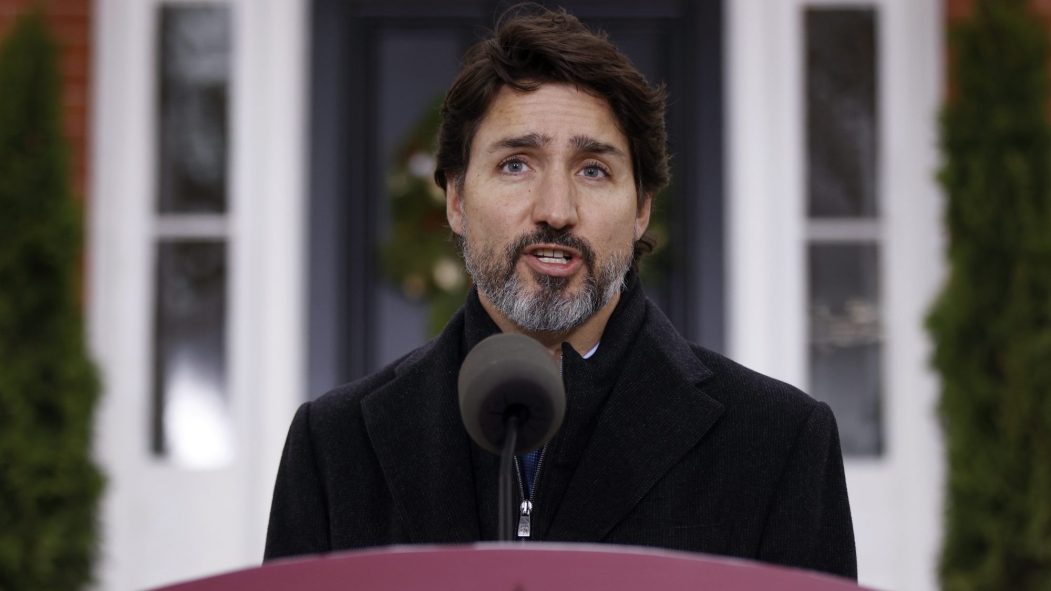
(378, 67)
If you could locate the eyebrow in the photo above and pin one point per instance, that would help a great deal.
(590, 145)
(580, 143)
(529, 140)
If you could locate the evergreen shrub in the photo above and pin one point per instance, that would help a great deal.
(49, 487)
(992, 322)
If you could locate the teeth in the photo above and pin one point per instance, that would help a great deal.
(551, 255)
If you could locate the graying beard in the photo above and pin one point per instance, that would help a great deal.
(548, 310)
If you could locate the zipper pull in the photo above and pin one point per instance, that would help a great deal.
(523, 518)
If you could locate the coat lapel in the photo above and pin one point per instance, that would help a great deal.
(655, 414)
(416, 431)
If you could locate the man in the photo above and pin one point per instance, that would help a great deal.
(551, 148)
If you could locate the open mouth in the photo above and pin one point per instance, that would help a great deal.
(554, 256)
(553, 260)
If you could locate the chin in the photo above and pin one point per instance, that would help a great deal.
(539, 281)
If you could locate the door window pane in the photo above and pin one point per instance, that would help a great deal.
(846, 341)
(194, 67)
(191, 421)
(841, 112)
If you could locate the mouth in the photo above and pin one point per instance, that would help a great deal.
(552, 259)
(552, 255)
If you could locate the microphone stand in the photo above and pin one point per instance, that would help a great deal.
(506, 491)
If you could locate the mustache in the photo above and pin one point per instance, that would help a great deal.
(547, 235)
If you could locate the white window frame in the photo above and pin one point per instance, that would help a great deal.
(154, 512)
(896, 498)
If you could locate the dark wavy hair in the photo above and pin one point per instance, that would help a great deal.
(532, 45)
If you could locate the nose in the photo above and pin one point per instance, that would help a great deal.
(555, 202)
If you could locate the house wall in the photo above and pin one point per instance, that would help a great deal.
(268, 262)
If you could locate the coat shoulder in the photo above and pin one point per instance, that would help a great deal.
(344, 401)
(747, 392)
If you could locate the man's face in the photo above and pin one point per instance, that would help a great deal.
(547, 210)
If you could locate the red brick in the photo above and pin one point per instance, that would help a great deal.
(74, 8)
(958, 9)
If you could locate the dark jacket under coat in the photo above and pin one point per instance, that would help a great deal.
(665, 444)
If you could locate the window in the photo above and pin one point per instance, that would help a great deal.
(191, 425)
(843, 225)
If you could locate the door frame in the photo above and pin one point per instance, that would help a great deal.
(896, 498)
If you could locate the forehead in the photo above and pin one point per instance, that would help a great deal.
(560, 112)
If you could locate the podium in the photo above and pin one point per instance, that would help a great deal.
(516, 567)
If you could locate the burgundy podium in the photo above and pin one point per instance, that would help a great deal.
(516, 567)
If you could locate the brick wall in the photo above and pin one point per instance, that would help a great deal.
(71, 23)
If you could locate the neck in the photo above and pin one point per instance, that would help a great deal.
(581, 338)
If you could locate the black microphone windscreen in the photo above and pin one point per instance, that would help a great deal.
(511, 374)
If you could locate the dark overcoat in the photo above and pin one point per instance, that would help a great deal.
(678, 448)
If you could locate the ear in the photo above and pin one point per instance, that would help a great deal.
(642, 216)
(454, 206)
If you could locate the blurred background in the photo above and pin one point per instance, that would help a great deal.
(260, 226)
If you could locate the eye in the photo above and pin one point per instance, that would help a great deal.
(513, 165)
(594, 170)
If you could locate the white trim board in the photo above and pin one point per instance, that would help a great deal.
(896, 498)
(161, 523)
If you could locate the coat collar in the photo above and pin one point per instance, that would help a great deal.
(433, 481)
(656, 412)
(414, 424)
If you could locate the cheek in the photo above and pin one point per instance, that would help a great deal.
(488, 225)
(617, 239)
(623, 228)
(500, 215)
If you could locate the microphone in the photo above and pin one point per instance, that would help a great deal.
(509, 384)
(511, 376)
